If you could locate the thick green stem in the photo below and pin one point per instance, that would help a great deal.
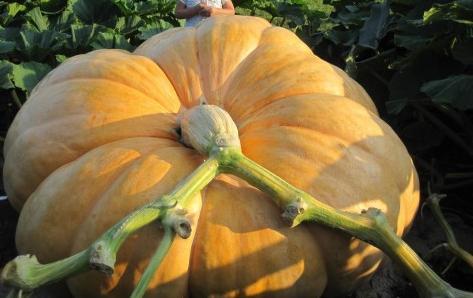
(25, 272)
(371, 226)
(156, 260)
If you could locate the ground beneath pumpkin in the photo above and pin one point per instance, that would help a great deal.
(388, 282)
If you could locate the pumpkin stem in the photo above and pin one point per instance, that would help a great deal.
(156, 260)
(371, 226)
(26, 273)
(208, 127)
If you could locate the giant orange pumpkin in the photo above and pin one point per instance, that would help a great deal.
(97, 139)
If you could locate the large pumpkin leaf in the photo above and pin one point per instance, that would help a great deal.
(5, 75)
(26, 75)
(38, 45)
(375, 26)
(455, 90)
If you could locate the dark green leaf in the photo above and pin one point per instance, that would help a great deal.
(27, 75)
(95, 11)
(5, 75)
(375, 26)
(463, 51)
(412, 42)
(455, 90)
(6, 46)
(153, 29)
(346, 38)
(37, 45)
(52, 6)
(128, 25)
(456, 11)
(9, 33)
(64, 21)
(122, 43)
(111, 40)
(104, 40)
(81, 36)
(347, 17)
(394, 107)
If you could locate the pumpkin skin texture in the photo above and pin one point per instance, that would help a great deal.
(96, 139)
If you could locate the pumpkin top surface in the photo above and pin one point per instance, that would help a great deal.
(97, 138)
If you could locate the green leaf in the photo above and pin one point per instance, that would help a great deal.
(375, 26)
(153, 29)
(129, 25)
(38, 45)
(26, 75)
(52, 6)
(454, 90)
(64, 21)
(111, 40)
(36, 18)
(81, 36)
(104, 40)
(5, 75)
(122, 43)
(11, 11)
(60, 58)
(95, 11)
